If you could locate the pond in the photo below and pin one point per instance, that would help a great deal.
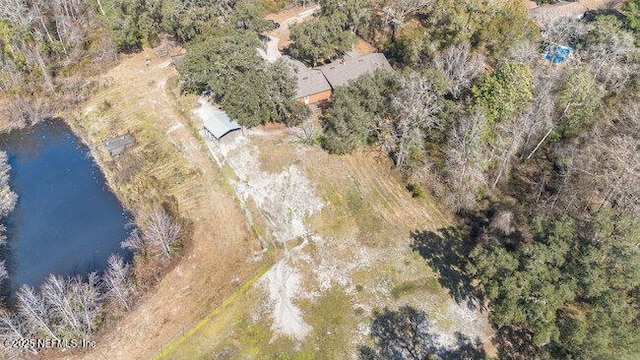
(66, 221)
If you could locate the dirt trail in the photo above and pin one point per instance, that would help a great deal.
(136, 99)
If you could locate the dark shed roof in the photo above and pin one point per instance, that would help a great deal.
(117, 145)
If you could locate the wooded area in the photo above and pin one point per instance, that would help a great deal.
(539, 160)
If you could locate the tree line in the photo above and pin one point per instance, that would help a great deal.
(539, 160)
(71, 308)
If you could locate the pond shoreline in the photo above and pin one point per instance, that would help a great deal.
(52, 172)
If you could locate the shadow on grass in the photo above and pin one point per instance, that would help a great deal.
(405, 334)
(446, 251)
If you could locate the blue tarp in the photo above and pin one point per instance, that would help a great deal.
(557, 54)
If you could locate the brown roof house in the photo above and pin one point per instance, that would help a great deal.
(311, 86)
(316, 84)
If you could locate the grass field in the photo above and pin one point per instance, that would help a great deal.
(355, 261)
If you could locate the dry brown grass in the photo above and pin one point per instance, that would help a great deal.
(168, 163)
(364, 253)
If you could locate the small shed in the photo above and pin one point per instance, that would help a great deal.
(117, 145)
(214, 120)
(177, 60)
(220, 125)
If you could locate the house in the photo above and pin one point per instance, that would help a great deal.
(311, 85)
(352, 66)
(574, 10)
(117, 145)
(316, 84)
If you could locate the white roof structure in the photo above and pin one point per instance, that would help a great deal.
(215, 121)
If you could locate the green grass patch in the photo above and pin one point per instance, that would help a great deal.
(404, 288)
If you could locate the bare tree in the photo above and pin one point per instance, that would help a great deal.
(20, 111)
(135, 243)
(606, 168)
(117, 281)
(8, 198)
(614, 61)
(563, 31)
(395, 12)
(416, 105)
(35, 312)
(4, 274)
(465, 162)
(74, 304)
(161, 232)
(459, 67)
(12, 329)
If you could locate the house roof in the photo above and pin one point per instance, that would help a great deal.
(214, 119)
(559, 10)
(117, 145)
(309, 81)
(340, 72)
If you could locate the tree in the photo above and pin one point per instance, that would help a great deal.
(12, 329)
(355, 12)
(134, 242)
(215, 62)
(416, 106)
(577, 101)
(251, 90)
(603, 168)
(347, 124)
(8, 198)
(451, 22)
(357, 111)
(505, 25)
(161, 232)
(4, 274)
(572, 285)
(459, 66)
(504, 94)
(464, 162)
(263, 95)
(395, 12)
(610, 53)
(117, 282)
(631, 10)
(35, 312)
(320, 39)
(74, 305)
(249, 15)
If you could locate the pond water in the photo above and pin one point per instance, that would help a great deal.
(66, 221)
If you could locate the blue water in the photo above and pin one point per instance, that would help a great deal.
(557, 54)
(66, 220)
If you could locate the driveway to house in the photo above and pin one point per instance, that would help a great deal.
(287, 17)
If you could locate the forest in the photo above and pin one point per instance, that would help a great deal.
(539, 161)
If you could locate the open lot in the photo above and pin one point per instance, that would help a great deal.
(352, 259)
